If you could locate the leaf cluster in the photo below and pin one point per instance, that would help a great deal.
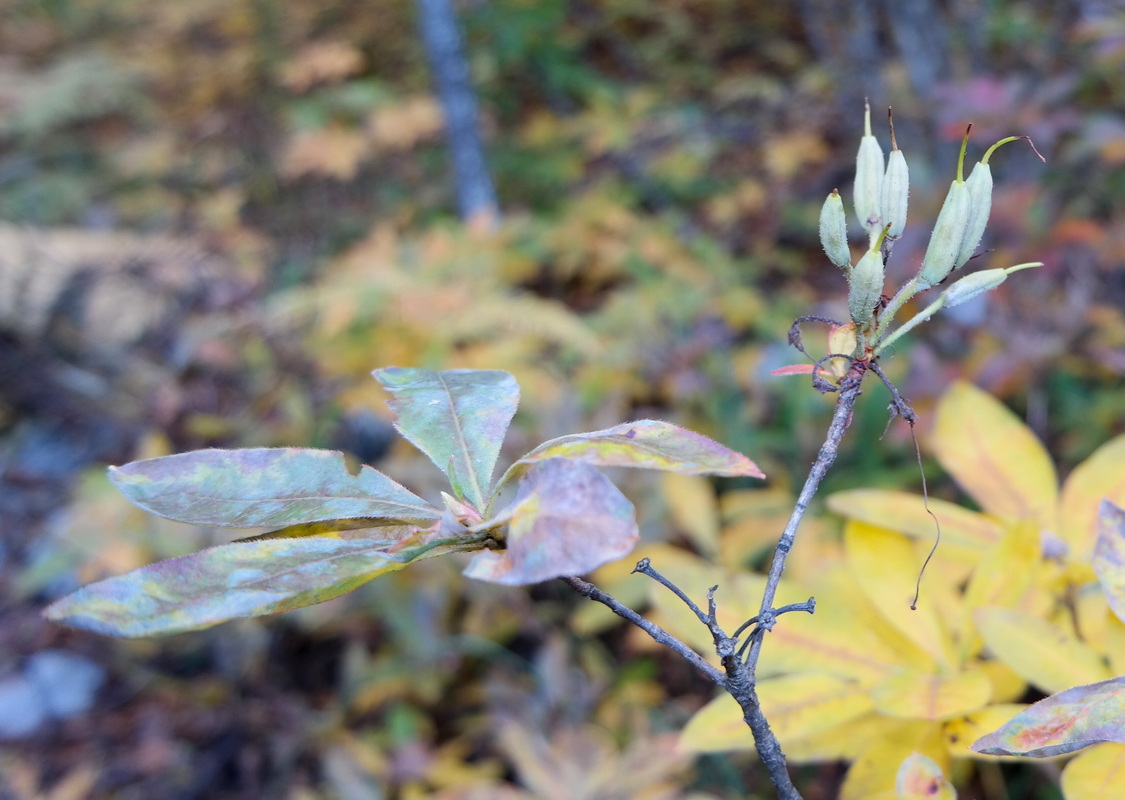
(332, 531)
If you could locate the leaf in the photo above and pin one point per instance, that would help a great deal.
(904, 512)
(1043, 654)
(1000, 579)
(960, 732)
(1062, 723)
(457, 417)
(846, 636)
(1095, 774)
(920, 778)
(915, 695)
(886, 566)
(646, 444)
(264, 487)
(994, 457)
(1109, 555)
(1101, 476)
(567, 519)
(874, 773)
(245, 579)
(796, 706)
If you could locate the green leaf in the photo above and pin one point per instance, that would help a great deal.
(243, 579)
(457, 417)
(567, 519)
(1109, 555)
(1062, 723)
(264, 487)
(646, 444)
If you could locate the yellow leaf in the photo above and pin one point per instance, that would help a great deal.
(1102, 475)
(802, 705)
(694, 509)
(1000, 579)
(915, 695)
(961, 732)
(837, 640)
(842, 743)
(1007, 685)
(1048, 657)
(906, 513)
(1097, 773)
(885, 565)
(994, 457)
(920, 778)
(797, 706)
(1115, 643)
(874, 774)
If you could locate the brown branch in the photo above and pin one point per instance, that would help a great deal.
(660, 635)
(841, 419)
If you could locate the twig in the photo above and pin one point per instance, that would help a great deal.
(849, 392)
(658, 634)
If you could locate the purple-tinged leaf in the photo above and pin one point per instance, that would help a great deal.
(567, 519)
(264, 487)
(1062, 723)
(243, 579)
(1109, 555)
(646, 444)
(457, 417)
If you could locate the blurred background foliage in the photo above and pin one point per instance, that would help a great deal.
(216, 217)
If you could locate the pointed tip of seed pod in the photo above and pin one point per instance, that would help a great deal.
(891, 125)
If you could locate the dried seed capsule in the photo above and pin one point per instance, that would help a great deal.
(865, 287)
(949, 230)
(841, 339)
(868, 179)
(834, 231)
(896, 188)
(978, 283)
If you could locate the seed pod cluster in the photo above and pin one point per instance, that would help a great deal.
(834, 232)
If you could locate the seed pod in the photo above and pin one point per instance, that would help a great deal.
(865, 287)
(949, 230)
(896, 188)
(980, 200)
(868, 179)
(834, 232)
(978, 283)
(979, 184)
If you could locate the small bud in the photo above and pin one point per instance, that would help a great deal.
(866, 287)
(868, 179)
(978, 283)
(834, 231)
(896, 188)
(949, 230)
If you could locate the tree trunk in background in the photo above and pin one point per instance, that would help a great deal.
(476, 198)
